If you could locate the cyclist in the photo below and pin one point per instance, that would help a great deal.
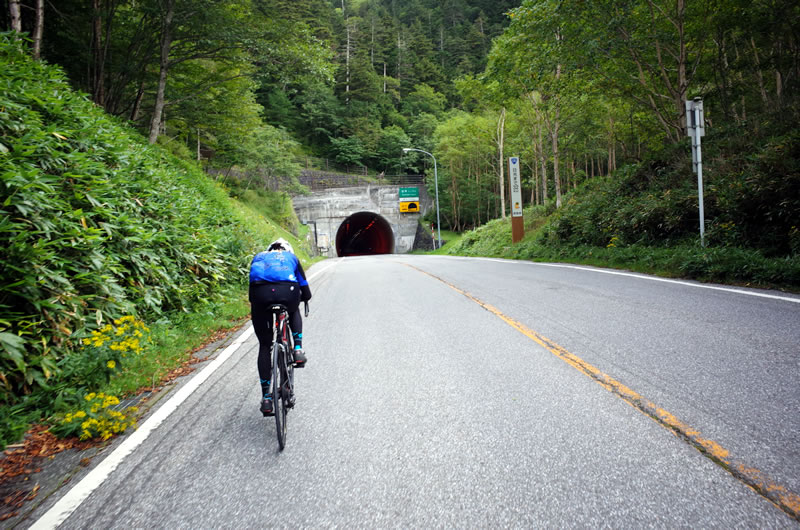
(276, 277)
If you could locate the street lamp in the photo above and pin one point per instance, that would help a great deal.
(436, 186)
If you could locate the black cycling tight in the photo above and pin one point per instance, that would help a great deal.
(262, 296)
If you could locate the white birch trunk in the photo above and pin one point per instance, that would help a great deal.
(38, 29)
(16, 16)
(501, 129)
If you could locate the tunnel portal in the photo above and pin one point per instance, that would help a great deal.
(364, 233)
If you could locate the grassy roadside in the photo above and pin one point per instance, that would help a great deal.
(689, 260)
(174, 341)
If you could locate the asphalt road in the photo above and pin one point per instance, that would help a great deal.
(421, 408)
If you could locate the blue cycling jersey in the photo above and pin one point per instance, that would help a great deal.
(276, 266)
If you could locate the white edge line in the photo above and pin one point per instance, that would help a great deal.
(74, 497)
(65, 506)
(641, 277)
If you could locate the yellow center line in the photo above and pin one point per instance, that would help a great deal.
(779, 495)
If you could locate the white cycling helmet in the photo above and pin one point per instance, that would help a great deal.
(280, 244)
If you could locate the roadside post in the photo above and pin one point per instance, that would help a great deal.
(517, 224)
(695, 130)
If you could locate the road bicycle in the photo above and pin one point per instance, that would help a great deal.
(282, 369)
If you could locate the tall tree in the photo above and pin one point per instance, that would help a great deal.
(649, 51)
(530, 57)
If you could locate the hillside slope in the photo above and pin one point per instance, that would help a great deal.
(96, 224)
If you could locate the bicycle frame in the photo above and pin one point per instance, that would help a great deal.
(282, 370)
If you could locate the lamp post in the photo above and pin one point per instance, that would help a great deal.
(436, 187)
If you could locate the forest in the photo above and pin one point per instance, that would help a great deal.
(576, 89)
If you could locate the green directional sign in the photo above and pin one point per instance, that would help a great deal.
(409, 193)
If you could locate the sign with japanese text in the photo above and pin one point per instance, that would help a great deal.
(409, 193)
(516, 186)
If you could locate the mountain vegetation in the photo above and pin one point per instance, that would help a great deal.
(138, 139)
(102, 232)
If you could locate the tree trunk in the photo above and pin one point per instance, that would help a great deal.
(574, 174)
(554, 137)
(38, 29)
(501, 130)
(399, 58)
(347, 62)
(16, 17)
(759, 74)
(454, 197)
(683, 82)
(543, 161)
(166, 43)
(98, 85)
(137, 103)
(556, 174)
(611, 146)
(372, 43)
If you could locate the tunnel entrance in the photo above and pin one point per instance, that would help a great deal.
(364, 233)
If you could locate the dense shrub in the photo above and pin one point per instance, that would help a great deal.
(751, 199)
(94, 224)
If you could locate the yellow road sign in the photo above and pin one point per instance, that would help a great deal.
(409, 206)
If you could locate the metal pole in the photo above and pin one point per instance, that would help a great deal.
(696, 138)
(695, 129)
(436, 184)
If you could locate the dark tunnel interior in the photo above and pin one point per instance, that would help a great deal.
(364, 233)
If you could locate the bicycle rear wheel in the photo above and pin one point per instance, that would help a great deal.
(278, 384)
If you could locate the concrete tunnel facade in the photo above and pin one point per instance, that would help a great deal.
(360, 220)
(364, 233)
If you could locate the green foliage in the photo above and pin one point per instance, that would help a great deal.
(424, 99)
(644, 218)
(751, 200)
(274, 205)
(712, 264)
(468, 179)
(95, 225)
(388, 152)
(348, 151)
